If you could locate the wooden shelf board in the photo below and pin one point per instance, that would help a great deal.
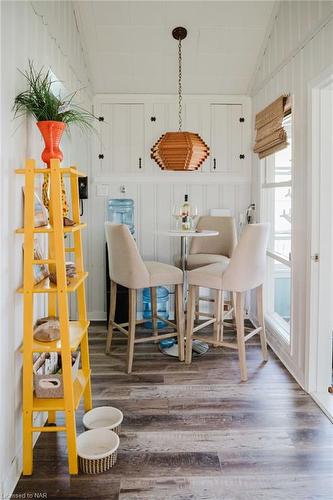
(77, 329)
(46, 287)
(49, 229)
(58, 404)
(63, 171)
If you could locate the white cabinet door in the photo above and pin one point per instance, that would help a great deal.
(164, 119)
(226, 138)
(122, 138)
(196, 119)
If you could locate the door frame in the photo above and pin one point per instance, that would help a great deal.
(320, 214)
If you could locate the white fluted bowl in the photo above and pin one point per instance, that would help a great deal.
(103, 417)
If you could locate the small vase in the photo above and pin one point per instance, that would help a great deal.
(52, 132)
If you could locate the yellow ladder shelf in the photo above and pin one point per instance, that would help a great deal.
(73, 334)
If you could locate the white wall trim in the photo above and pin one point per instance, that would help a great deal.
(175, 178)
(315, 336)
(325, 403)
(278, 346)
(167, 98)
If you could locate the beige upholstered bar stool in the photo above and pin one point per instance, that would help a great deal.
(205, 251)
(246, 271)
(129, 270)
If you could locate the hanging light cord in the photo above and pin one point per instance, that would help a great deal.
(180, 83)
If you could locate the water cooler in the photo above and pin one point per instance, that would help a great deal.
(162, 296)
(119, 211)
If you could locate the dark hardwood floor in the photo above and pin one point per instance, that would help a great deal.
(196, 432)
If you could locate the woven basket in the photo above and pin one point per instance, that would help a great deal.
(98, 466)
(97, 450)
(106, 417)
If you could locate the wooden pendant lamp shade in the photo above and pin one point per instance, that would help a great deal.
(180, 151)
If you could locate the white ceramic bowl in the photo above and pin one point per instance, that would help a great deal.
(97, 443)
(97, 450)
(103, 417)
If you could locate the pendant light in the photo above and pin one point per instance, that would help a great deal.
(180, 151)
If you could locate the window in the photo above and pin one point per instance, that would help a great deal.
(276, 205)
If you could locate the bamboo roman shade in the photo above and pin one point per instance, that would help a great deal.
(270, 134)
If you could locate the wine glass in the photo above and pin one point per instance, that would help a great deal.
(176, 212)
(193, 215)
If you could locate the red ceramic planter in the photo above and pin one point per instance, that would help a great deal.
(52, 132)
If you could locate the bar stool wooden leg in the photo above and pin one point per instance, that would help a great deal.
(240, 334)
(261, 321)
(233, 304)
(218, 314)
(190, 322)
(131, 329)
(153, 297)
(197, 303)
(221, 329)
(180, 321)
(113, 300)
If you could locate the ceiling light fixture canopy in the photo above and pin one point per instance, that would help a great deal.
(180, 151)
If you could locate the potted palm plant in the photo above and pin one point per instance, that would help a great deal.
(53, 114)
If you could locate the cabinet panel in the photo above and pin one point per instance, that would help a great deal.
(122, 138)
(196, 119)
(166, 119)
(226, 137)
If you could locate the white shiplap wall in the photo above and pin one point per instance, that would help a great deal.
(298, 50)
(155, 192)
(46, 33)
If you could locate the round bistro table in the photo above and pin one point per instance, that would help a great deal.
(199, 347)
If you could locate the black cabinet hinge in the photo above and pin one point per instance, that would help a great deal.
(153, 118)
(242, 157)
(242, 119)
(101, 118)
(101, 157)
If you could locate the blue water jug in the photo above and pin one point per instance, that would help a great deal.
(121, 211)
(162, 296)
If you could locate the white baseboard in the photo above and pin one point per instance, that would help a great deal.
(279, 348)
(97, 315)
(14, 473)
(9, 483)
(325, 402)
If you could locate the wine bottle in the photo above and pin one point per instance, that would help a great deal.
(186, 214)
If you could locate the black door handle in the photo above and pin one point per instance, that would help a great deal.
(140, 163)
(214, 163)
